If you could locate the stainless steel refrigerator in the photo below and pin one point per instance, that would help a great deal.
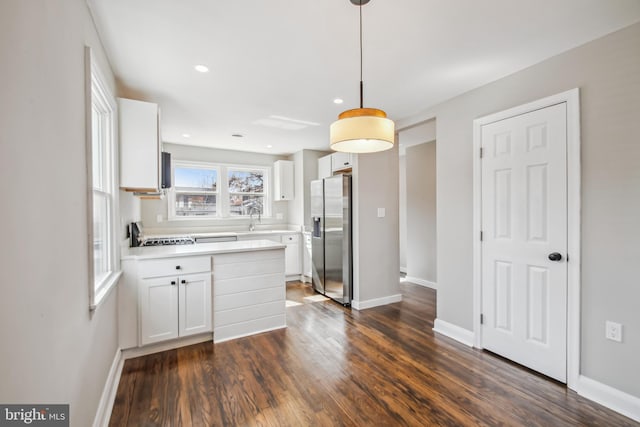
(331, 241)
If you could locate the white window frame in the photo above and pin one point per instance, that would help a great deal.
(172, 194)
(266, 207)
(97, 93)
(223, 193)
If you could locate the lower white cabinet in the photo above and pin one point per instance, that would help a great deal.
(158, 309)
(292, 263)
(174, 306)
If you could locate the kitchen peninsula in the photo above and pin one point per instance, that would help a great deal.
(178, 295)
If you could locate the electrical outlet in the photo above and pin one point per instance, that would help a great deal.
(279, 215)
(613, 331)
(159, 218)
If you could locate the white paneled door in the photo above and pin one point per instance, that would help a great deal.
(524, 239)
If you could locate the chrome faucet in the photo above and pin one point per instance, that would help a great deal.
(252, 224)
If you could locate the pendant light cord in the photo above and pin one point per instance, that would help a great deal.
(361, 85)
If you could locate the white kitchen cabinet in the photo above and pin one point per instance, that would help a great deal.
(341, 161)
(158, 309)
(335, 162)
(324, 167)
(194, 304)
(139, 146)
(293, 266)
(174, 298)
(283, 180)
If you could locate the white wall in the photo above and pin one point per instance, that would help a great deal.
(607, 71)
(376, 240)
(152, 208)
(53, 350)
(421, 212)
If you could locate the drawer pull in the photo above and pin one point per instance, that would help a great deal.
(178, 267)
(184, 281)
(173, 282)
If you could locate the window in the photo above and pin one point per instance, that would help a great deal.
(196, 190)
(102, 201)
(246, 192)
(205, 190)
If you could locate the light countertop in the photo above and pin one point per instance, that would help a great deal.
(256, 233)
(150, 252)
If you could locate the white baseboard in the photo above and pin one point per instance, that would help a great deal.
(612, 398)
(421, 282)
(248, 334)
(130, 353)
(455, 332)
(362, 305)
(108, 397)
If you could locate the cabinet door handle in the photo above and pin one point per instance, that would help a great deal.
(173, 282)
(184, 281)
(178, 267)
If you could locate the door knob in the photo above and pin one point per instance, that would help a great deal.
(555, 256)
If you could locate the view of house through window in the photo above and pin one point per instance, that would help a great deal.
(246, 192)
(196, 191)
(206, 190)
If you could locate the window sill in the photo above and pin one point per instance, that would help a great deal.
(216, 218)
(105, 291)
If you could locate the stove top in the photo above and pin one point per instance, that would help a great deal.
(164, 241)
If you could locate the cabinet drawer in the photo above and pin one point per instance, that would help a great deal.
(290, 238)
(174, 266)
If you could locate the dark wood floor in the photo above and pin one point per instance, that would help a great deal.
(337, 367)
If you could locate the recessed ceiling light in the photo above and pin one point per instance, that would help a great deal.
(186, 135)
(338, 101)
(202, 68)
(269, 146)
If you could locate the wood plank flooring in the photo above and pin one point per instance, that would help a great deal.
(339, 367)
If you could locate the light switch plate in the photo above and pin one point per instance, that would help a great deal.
(613, 331)
(381, 212)
(159, 218)
(279, 215)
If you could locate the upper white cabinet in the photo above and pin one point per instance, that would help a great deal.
(139, 145)
(283, 180)
(335, 162)
(324, 167)
(341, 161)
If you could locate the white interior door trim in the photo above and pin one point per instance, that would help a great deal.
(572, 100)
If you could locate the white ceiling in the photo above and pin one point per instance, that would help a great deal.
(279, 62)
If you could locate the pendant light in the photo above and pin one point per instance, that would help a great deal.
(362, 130)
